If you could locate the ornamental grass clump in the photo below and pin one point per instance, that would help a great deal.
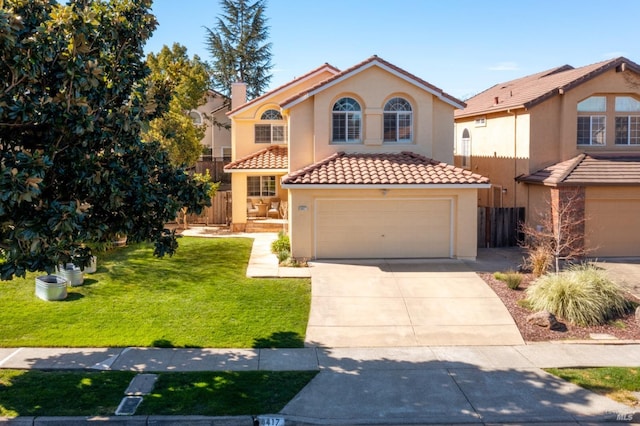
(511, 278)
(582, 295)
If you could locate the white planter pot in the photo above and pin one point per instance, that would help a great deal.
(72, 274)
(51, 287)
(93, 265)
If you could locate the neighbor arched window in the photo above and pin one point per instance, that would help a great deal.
(465, 149)
(196, 117)
(346, 121)
(398, 121)
(271, 128)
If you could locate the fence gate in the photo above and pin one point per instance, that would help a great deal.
(499, 226)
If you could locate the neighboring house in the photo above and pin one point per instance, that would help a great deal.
(352, 154)
(561, 131)
(216, 143)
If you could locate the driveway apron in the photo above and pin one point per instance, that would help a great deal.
(391, 303)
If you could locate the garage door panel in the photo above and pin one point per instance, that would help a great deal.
(613, 227)
(383, 228)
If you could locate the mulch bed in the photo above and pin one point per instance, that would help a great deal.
(625, 328)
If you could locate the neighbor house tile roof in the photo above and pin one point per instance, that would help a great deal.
(378, 169)
(273, 157)
(590, 169)
(374, 60)
(528, 91)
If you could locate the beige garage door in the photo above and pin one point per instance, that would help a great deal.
(613, 227)
(394, 228)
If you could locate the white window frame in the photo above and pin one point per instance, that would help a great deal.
(392, 113)
(266, 186)
(465, 148)
(271, 124)
(350, 115)
(595, 132)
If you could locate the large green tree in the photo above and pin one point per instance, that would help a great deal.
(239, 47)
(189, 81)
(74, 93)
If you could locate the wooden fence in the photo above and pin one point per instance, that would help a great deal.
(218, 214)
(499, 226)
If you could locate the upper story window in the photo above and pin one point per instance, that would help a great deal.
(591, 125)
(196, 117)
(398, 121)
(627, 120)
(271, 129)
(465, 149)
(346, 122)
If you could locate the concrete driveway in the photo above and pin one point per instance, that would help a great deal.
(392, 303)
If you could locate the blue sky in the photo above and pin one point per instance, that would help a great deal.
(461, 46)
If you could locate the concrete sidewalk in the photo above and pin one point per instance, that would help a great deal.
(382, 386)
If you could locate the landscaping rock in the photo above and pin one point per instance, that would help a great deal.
(544, 319)
(638, 314)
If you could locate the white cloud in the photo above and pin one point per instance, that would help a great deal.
(504, 66)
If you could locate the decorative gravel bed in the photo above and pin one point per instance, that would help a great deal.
(626, 328)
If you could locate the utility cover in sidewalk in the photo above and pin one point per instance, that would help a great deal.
(142, 384)
(128, 405)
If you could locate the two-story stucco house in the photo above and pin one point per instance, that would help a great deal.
(560, 131)
(361, 158)
(216, 143)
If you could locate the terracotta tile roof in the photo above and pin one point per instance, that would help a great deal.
(363, 65)
(528, 91)
(273, 157)
(590, 169)
(325, 66)
(404, 168)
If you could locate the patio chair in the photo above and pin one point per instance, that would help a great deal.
(274, 208)
(252, 211)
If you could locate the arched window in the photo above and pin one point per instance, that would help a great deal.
(398, 121)
(465, 149)
(627, 120)
(196, 117)
(592, 121)
(271, 114)
(271, 128)
(347, 121)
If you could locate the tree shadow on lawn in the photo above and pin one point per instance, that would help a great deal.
(280, 339)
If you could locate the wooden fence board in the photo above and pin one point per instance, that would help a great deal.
(499, 226)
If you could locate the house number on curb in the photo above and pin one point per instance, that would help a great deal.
(270, 421)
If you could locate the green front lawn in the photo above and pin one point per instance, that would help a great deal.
(82, 393)
(618, 383)
(200, 297)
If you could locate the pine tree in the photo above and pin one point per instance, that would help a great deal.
(239, 47)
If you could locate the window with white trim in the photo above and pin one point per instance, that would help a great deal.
(465, 153)
(346, 122)
(627, 131)
(271, 128)
(398, 121)
(261, 186)
(196, 117)
(591, 125)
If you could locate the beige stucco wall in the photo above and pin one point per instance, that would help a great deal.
(499, 150)
(242, 133)
(310, 120)
(303, 215)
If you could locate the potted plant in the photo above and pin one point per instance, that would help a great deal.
(51, 287)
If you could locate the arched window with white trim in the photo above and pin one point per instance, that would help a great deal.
(398, 121)
(347, 121)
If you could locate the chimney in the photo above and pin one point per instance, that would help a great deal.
(238, 94)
